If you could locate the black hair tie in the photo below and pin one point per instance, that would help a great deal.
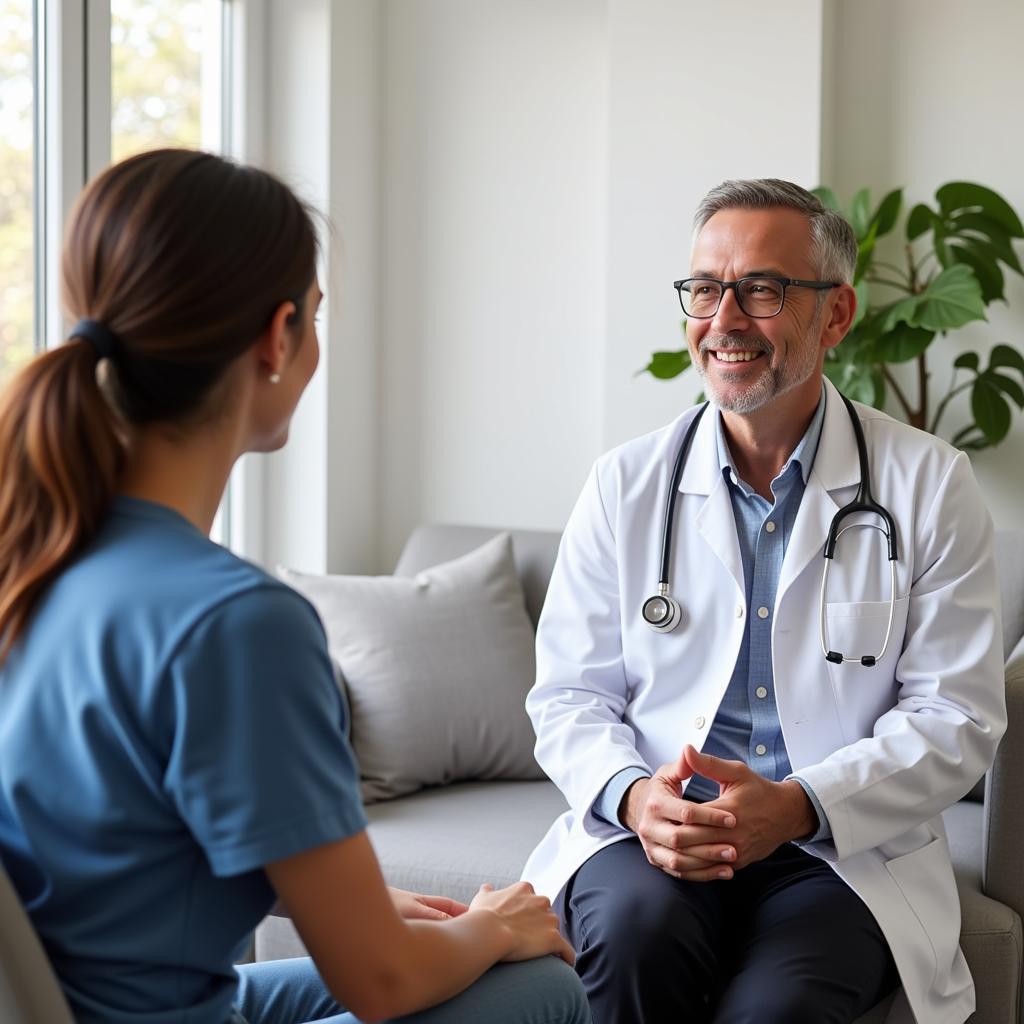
(101, 337)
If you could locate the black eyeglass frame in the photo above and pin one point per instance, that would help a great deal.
(786, 282)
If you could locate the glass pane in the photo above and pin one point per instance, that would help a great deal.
(16, 186)
(165, 75)
(166, 89)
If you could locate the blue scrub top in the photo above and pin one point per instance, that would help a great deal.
(168, 725)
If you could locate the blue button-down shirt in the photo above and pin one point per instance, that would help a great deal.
(746, 727)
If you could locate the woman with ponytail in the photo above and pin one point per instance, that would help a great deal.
(172, 743)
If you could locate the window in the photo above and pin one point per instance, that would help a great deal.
(85, 83)
(165, 64)
(17, 250)
(166, 89)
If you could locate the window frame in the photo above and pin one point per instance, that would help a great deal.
(72, 143)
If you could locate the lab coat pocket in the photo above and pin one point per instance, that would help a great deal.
(864, 693)
(856, 628)
(925, 879)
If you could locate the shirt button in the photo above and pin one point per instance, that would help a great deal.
(739, 611)
(762, 692)
(762, 612)
(769, 526)
(760, 749)
(699, 722)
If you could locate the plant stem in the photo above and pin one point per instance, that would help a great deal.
(890, 266)
(875, 279)
(898, 392)
(921, 418)
(934, 428)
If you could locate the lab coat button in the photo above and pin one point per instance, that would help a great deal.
(699, 722)
(762, 612)
(769, 527)
(760, 749)
(739, 611)
(762, 692)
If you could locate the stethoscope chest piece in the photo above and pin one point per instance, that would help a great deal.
(661, 612)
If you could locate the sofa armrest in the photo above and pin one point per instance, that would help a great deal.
(1003, 827)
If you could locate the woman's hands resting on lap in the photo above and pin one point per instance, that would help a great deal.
(529, 917)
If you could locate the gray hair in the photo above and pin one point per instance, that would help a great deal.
(833, 243)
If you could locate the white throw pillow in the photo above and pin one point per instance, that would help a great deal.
(436, 669)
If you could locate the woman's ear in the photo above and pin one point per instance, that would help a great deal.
(274, 346)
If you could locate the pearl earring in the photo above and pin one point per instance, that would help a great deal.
(274, 378)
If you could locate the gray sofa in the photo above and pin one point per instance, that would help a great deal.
(450, 839)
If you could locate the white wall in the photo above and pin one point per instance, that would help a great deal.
(323, 128)
(682, 84)
(513, 182)
(925, 92)
(492, 276)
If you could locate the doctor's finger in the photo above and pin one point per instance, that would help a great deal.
(687, 868)
(686, 812)
(681, 839)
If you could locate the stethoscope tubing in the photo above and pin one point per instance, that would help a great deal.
(863, 502)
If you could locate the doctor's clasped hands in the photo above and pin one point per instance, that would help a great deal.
(702, 842)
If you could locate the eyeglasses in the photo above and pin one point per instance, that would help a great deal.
(758, 297)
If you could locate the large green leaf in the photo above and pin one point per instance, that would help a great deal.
(863, 290)
(967, 361)
(952, 299)
(665, 365)
(987, 234)
(1005, 355)
(858, 381)
(919, 221)
(864, 250)
(860, 213)
(827, 197)
(991, 411)
(902, 343)
(888, 212)
(957, 195)
(986, 269)
(1007, 385)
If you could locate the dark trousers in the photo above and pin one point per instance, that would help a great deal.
(785, 941)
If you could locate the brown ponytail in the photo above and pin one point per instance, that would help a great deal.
(59, 462)
(184, 257)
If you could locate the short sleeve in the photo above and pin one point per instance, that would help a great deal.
(260, 767)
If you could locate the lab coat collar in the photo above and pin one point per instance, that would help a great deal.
(835, 466)
(835, 463)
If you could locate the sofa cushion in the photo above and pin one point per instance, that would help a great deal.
(446, 842)
(534, 552)
(436, 670)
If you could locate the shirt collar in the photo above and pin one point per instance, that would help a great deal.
(803, 455)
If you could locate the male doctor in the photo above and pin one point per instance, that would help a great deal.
(755, 831)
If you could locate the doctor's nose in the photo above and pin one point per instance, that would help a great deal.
(729, 316)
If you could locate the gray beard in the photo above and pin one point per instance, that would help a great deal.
(772, 383)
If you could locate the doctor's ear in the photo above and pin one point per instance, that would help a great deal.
(838, 315)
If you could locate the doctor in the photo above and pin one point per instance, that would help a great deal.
(755, 831)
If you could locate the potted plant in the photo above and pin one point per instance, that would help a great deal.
(952, 267)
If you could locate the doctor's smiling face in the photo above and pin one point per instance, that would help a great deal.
(745, 361)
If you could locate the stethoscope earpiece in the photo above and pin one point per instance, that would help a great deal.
(662, 613)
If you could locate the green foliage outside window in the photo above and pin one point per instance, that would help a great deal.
(156, 100)
(16, 254)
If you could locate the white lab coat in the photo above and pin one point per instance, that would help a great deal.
(885, 749)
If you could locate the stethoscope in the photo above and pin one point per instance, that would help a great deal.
(663, 612)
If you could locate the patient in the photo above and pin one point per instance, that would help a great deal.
(172, 742)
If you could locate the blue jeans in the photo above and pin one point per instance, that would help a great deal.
(544, 991)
